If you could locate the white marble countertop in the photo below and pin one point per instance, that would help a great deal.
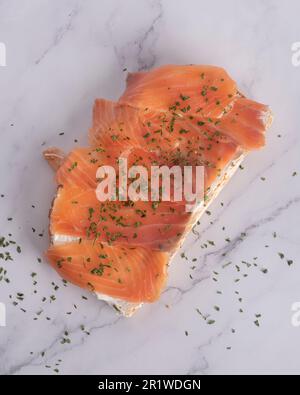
(60, 56)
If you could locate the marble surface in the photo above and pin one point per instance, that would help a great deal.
(61, 55)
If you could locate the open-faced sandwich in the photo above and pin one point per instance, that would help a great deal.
(180, 116)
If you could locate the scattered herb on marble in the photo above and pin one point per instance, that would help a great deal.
(210, 322)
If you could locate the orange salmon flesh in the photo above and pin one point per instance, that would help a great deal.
(171, 115)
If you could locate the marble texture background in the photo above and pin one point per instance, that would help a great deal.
(61, 55)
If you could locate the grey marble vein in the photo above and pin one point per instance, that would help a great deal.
(146, 57)
(142, 44)
(59, 34)
(50, 355)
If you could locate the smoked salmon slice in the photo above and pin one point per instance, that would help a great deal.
(188, 89)
(77, 212)
(204, 92)
(170, 116)
(176, 140)
(133, 274)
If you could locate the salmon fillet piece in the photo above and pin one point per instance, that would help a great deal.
(246, 123)
(133, 274)
(205, 89)
(176, 140)
(77, 212)
(204, 92)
